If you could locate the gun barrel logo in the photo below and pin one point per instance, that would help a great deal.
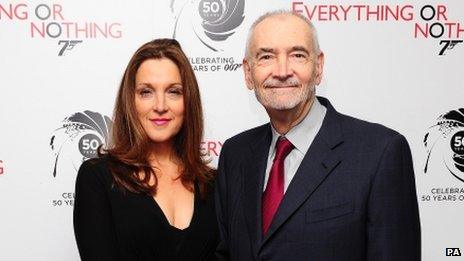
(79, 138)
(448, 134)
(213, 21)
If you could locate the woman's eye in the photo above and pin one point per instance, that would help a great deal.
(145, 93)
(176, 91)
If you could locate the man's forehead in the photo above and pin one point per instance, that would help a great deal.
(281, 31)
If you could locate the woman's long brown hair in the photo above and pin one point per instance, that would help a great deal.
(129, 149)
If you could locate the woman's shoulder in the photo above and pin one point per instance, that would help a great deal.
(101, 163)
(95, 170)
(207, 188)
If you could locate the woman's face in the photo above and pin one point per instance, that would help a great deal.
(159, 99)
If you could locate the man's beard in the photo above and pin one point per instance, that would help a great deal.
(283, 100)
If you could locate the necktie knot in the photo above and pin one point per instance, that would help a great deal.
(283, 148)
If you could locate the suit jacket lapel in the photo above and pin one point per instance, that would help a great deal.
(253, 171)
(320, 159)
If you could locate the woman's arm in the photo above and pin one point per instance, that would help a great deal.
(93, 223)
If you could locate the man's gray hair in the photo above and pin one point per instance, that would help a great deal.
(311, 27)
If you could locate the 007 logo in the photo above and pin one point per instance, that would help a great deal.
(78, 138)
(212, 21)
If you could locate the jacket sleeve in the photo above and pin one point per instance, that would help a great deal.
(93, 224)
(222, 251)
(393, 226)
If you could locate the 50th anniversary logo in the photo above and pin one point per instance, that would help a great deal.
(445, 142)
(77, 139)
(213, 23)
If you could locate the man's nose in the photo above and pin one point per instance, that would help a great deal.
(283, 68)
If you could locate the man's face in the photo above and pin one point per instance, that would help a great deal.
(282, 66)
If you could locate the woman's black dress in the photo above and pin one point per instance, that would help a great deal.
(113, 225)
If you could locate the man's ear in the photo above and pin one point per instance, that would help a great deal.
(319, 68)
(247, 72)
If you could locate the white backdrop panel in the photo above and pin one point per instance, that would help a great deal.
(375, 69)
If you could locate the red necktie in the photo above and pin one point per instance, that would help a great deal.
(275, 185)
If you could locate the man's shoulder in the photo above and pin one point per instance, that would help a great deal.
(249, 136)
(243, 140)
(352, 126)
(366, 132)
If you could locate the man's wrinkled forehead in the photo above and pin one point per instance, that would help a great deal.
(268, 32)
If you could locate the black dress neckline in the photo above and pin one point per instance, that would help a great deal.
(159, 212)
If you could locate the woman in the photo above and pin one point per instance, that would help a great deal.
(149, 197)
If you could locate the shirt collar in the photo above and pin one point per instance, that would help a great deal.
(298, 135)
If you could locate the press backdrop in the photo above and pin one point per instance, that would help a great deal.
(398, 63)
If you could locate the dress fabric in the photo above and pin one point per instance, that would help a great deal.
(111, 224)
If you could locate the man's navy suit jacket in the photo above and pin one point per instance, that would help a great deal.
(352, 198)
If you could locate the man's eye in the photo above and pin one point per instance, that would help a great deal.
(265, 57)
(299, 57)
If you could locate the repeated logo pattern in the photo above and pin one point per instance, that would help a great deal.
(86, 131)
(219, 20)
(449, 127)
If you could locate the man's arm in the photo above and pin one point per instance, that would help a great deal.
(393, 218)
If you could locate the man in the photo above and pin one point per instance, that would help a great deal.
(313, 184)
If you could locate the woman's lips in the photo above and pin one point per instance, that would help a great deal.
(160, 121)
